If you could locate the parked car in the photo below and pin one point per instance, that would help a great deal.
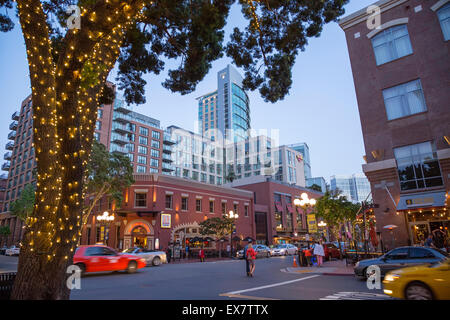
(152, 257)
(100, 258)
(12, 251)
(425, 282)
(3, 250)
(262, 251)
(400, 258)
(331, 251)
(284, 250)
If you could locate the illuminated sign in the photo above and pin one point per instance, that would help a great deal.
(166, 220)
(312, 223)
(419, 201)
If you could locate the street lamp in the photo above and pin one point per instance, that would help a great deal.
(104, 219)
(233, 216)
(304, 202)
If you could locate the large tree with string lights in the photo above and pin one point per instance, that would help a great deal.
(68, 68)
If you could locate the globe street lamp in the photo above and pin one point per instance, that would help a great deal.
(323, 225)
(104, 219)
(304, 202)
(233, 216)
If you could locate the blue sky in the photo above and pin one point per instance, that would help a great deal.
(320, 110)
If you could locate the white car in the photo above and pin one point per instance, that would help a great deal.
(12, 251)
(284, 250)
(152, 257)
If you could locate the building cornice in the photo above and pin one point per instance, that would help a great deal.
(379, 165)
(439, 4)
(443, 154)
(362, 15)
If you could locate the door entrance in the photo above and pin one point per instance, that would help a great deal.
(419, 231)
(139, 235)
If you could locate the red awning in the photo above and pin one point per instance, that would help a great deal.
(279, 206)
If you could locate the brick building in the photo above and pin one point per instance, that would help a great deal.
(277, 219)
(159, 209)
(401, 72)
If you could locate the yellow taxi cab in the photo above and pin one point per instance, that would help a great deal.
(422, 282)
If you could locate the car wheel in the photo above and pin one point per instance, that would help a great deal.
(132, 267)
(82, 268)
(418, 291)
(156, 261)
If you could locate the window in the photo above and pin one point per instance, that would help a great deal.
(143, 140)
(155, 153)
(184, 203)
(130, 156)
(418, 166)
(153, 170)
(100, 113)
(98, 125)
(224, 208)
(130, 147)
(156, 135)
(236, 209)
(420, 253)
(154, 162)
(142, 160)
(169, 201)
(198, 205)
(143, 131)
(444, 18)
(141, 169)
(211, 206)
(404, 100)
(391, 44)
(398, 254)
(97, 136)
(246, 211)
(155, 144)
(140, 199)
(142, 149)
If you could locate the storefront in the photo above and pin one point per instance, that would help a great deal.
(425, 214)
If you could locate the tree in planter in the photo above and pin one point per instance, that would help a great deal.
(5, 232)
(68, 71)
(108, 174)
(217, 227)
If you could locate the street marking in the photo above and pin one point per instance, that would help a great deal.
(272, 285)
(356, 296)
(244, 297)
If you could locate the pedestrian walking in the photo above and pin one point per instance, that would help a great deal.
(429, 242)
(202, 255)
(169, 254)
(187, 252)
(319, 253)
(308, 255)
(247, 266)
(251, 256)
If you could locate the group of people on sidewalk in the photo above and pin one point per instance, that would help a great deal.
(317, 251)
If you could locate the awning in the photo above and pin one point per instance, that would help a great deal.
(421, 200)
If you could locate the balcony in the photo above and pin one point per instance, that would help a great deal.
(7, 156)
(167, 149)
(13, 125)
(122, 118)
(12, 135)
(167, 139)
(167, 167)
(167, 158)
(15, 115)
(121, 106)
(10, 145)
(119, 139)
(123, 129)
(6, 166)
(118, 149)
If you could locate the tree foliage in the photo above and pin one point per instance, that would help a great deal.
(5, 231)
(217, 226)
(23, 206)
(108, 174)
(335, 209)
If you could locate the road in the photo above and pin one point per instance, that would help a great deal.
(220, 280)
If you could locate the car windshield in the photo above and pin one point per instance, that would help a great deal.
(280, 246)
(129, 250)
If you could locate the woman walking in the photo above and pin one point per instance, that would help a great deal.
(319, 253)
(251, 256)
(202, 255)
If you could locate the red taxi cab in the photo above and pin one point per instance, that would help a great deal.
(100, 258)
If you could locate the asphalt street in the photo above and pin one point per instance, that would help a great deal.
(220, 280)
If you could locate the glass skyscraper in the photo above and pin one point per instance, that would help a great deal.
(225, 113)
(355, 187)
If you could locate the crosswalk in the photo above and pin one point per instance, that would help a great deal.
(357, 296)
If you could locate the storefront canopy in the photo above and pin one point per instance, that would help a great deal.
(421, 200)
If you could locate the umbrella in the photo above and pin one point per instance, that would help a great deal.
(236, 238)
(390, 226)
(249, 239)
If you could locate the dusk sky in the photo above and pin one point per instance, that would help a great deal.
(320, 110)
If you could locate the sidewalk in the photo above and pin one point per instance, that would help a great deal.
(334, 268)
(197, 260)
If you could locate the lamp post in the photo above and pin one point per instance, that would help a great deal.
(304, 202)
(104, 219)
(323, 225)
(233, 216)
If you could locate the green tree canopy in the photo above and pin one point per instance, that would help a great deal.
(23, 207)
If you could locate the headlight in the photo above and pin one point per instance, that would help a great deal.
(391, 277)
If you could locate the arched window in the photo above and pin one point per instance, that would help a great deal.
(444, 18)
(391, 44)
